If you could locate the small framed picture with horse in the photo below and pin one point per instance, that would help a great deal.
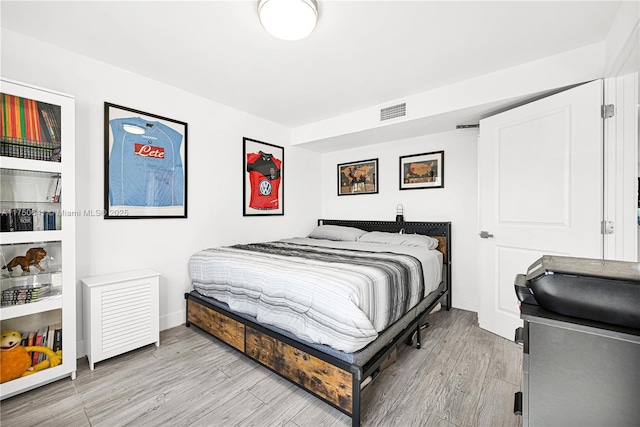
(424, 170)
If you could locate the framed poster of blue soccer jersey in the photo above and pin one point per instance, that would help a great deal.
(145, 165)
(263, 178)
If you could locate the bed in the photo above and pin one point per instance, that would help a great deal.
(275, 311)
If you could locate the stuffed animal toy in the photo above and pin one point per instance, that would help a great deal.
(33, 257)
(15, 361)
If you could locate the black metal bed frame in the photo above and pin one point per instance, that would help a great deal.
(358, 372)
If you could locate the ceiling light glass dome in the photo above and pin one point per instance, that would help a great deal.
(288, 19)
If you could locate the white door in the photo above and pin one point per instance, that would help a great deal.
(540, 193)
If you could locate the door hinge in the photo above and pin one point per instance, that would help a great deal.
(608, 111)
(606, 227)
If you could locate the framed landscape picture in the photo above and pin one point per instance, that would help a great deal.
(262, 178)
(359, 177)
(425, 170)
(145, 173)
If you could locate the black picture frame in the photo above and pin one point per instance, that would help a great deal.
(145, 165)
(360, 177)
(262, 178)
(420, 171)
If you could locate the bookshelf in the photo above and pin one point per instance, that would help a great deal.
(37, 203)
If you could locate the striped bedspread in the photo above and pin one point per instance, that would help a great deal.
(340, 294)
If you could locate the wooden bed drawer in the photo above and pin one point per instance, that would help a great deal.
(219, 325)
(323, 379)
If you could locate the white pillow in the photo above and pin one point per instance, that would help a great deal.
(336, 232)
(418, 240)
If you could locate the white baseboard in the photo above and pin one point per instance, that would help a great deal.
(465, 303)
(172, 320)
(80, 349)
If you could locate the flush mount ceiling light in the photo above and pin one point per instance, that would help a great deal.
(288, 19)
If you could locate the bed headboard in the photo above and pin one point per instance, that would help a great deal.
(438, 230)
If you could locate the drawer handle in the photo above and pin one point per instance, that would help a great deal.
(519, 338)
(517, 403)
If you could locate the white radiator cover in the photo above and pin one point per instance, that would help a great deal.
(121, 313)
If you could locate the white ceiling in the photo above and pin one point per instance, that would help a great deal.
(362, 53)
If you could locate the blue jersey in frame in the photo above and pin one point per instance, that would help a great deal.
(145, 165)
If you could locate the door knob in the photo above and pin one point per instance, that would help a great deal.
(485, 235)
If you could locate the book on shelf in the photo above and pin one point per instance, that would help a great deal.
(49, 220)
(38, 220)
(26, 150)
(55, 154)
(45, 343)
(57, 335)
(29, 129)
(52, 122)
(54, 190)
(58, 192)
(35, 356)
(6, 222)
(23, 219)
(25, 294)
(31, 336)
(20, 118)
(49, 336)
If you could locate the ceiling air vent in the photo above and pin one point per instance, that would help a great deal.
(394, 111)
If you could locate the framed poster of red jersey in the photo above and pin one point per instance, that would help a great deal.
(263, 178)
(145, 174)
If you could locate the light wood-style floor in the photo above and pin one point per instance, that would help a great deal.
(463, 376)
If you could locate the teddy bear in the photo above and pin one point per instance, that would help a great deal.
(15, 361)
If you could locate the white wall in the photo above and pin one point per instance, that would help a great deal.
(456, 202)
(621, 44)
(497, 88)
(214, 171)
